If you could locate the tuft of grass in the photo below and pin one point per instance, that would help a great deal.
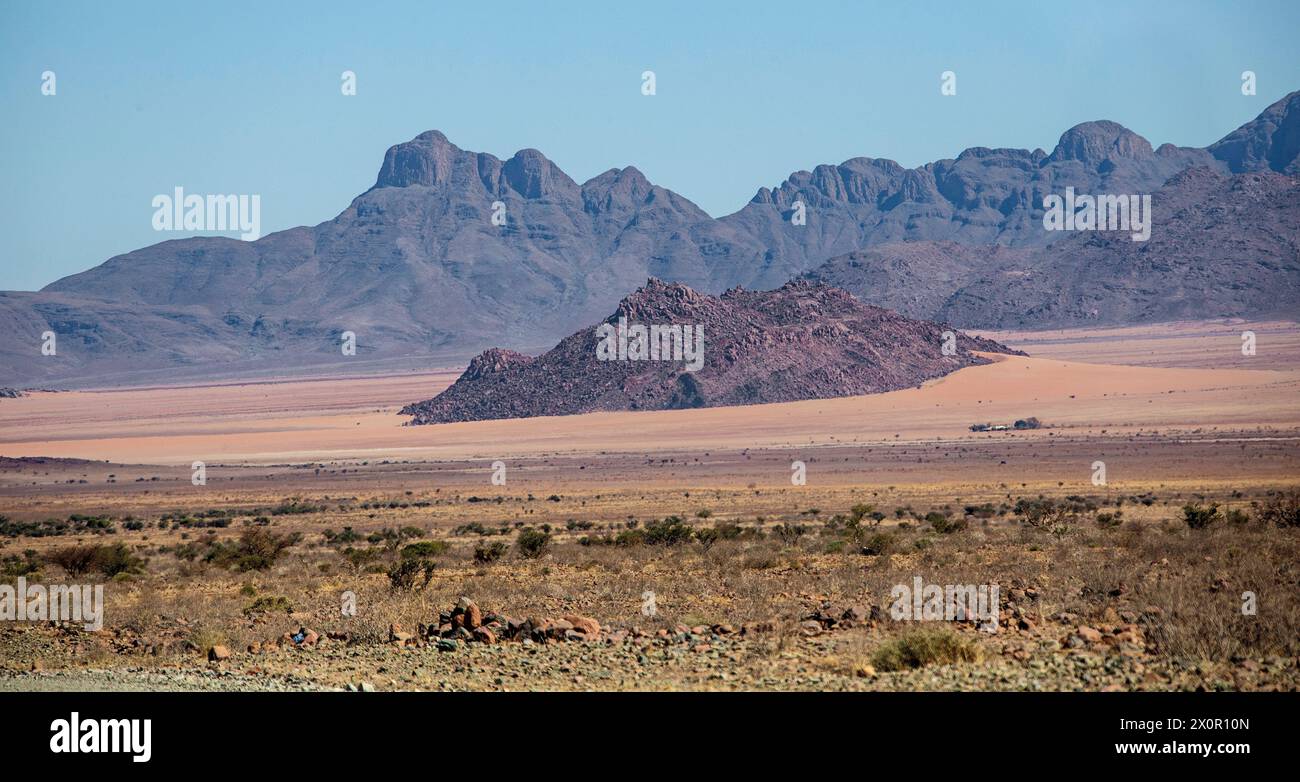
(922, 647)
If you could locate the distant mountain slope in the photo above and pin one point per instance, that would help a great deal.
(1222, 246)
(802, 341)
(415, 267)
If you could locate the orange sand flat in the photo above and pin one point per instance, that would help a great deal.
(300, 421)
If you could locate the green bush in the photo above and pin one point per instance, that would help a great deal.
(117, 559)
(425, 549)
(944, 525)
(406, 574)
(879, 543)
(1198, 516)
(532, 543)
(489, 552)
(668, 532)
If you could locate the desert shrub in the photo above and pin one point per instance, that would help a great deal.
(75, 524)
(489, 552)
(1045, 513)
(256, 549)
(295, 506)
(1198, 516)
(1236, 517)
(410, 572)
(116, 559)
(879, 543)
(348, 535)
(789, 534)
(472, 528)
(269, 604)
(358, 558)
(945, 525)
(28, 564)
(704, 513)
(861, 512)
(75, 560)
(922, 647)
(1110, 520)
(668, 532)
(425, 549)
(532, 543)
(724, 530)
(1281, 509)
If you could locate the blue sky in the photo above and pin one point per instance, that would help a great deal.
(244, 97)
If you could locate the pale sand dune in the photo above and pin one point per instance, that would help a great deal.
(356, 418)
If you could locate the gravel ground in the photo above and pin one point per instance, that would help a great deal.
(829, 662)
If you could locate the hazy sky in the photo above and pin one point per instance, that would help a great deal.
(244, 97)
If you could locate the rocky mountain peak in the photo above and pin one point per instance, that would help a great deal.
(1270, 141)
(532, 175)
(425, 160)
(492, 361)
(1092, 143)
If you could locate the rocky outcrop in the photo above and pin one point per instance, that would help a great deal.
(802, 341)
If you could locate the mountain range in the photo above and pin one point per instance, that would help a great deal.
(417, 269)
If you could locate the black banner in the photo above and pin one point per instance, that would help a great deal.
(234, 732)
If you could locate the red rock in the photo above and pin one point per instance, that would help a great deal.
(584, 624)
(218, 652)
(1089, 634)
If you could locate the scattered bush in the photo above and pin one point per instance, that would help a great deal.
(267, 604)
(1110, 520)
(256, 549)
(116, 560)
(532, 543)
(1281, 509)
(425, 549)
(489, 552)
(879, 543)
(1198, 516)
(944, 525)
(28, 564)
(668, 532)
(76, 561)
(405, 574)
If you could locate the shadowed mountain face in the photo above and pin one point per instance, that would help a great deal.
(416, 268)
(802, 341)
(1221, 246)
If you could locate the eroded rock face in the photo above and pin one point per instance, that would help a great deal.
(1220, 246)
(802, 341)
